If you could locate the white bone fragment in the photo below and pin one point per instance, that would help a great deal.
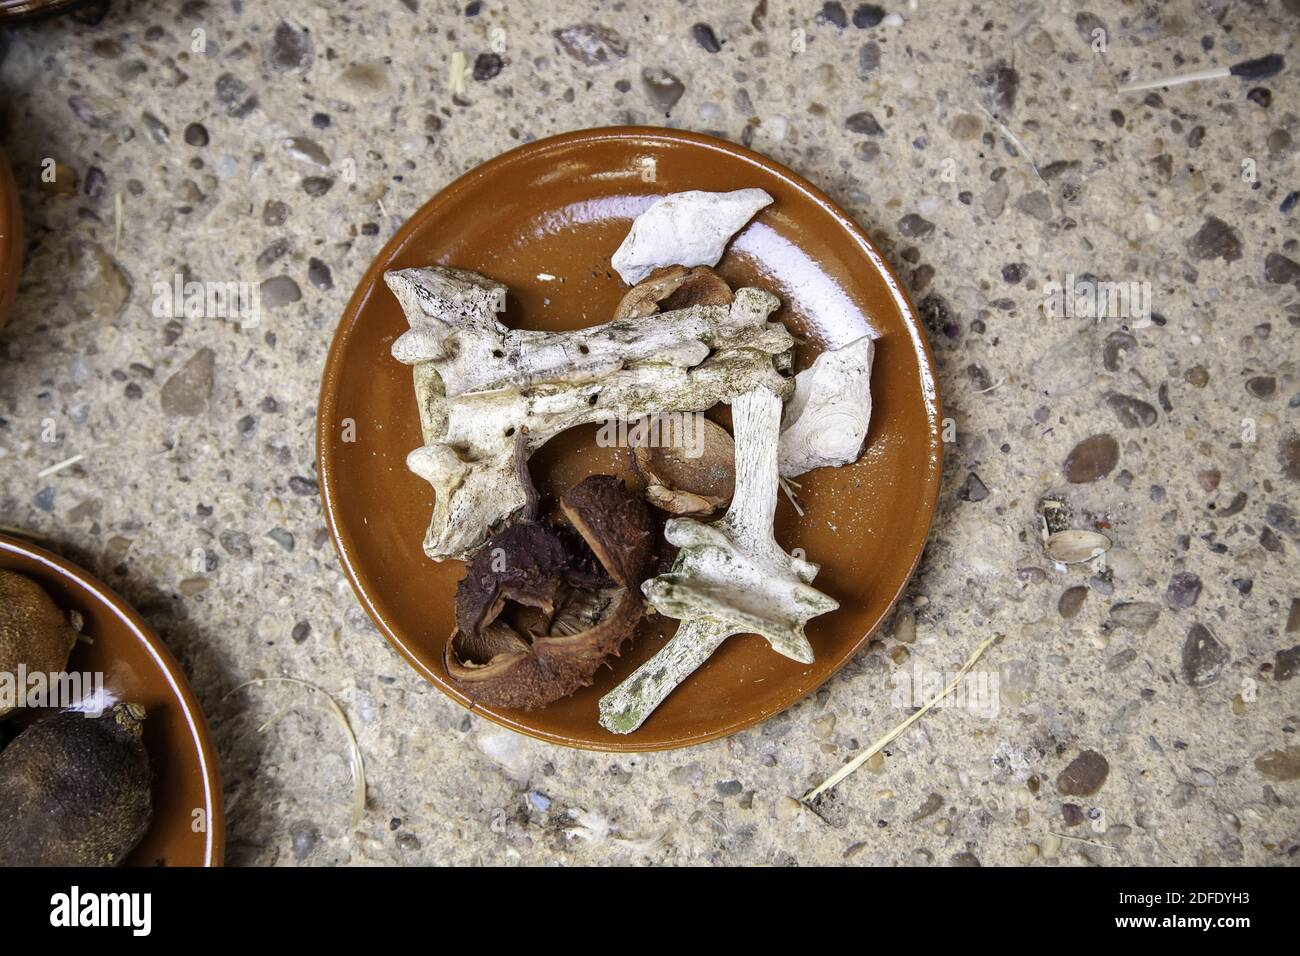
(825, 423)
(489, 396)
(730, 577)
(685, 229)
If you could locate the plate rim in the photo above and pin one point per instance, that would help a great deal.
(215, 850)
(11, 239)
(326, 409)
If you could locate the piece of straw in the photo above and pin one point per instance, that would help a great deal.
(23, 533)
(884, 741)
(357, 765)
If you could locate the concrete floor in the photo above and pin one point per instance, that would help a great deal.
(997, 157)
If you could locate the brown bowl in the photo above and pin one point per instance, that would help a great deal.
(24, 9)
(11, 239)
(138, 667)
(562, 206)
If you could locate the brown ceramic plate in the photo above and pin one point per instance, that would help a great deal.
(561, 206)
(138, 667)
(18, 9)
(11, 239)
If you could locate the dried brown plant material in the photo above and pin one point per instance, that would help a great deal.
(504, 658)
(34, 633)
(688, 465)
(674, 287)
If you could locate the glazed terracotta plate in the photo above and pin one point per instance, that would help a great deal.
(138, 667)
(11, 239)
(560, 207)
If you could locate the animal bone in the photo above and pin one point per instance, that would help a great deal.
(688, 229)
(730, 577)
(825, 423)
(489, 396)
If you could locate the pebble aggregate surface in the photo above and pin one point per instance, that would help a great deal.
(1144, 704)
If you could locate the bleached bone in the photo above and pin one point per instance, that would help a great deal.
(490, 396)
(825, 423)
(685, 229)
(730, 577)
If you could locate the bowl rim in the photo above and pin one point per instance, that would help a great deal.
(11, 238)
(209, 768)
(370, 281)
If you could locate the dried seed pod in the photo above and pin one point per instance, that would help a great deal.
(674, 287)
(34, 633)
(578, 621)
(75, 790)
(615, 525)
(686, 474)
(1074, 546)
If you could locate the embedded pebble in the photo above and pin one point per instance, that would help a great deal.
(663, 88)
(283, 538)
(307, 151)
(487, 66)
(965, 126)
(279, 291)
(1071, 601)
(973, 489)
(864, 123)
(233, 93)
(1001, 83)
(317, 186)
(367, 81)
(867, 15)
(1091, 459)
(1288, 454)
(1280, 269)
(318, 274)
(98, 286)
(274, 213)
(1183, 590)
(1131, 412)
(291, 48)
(868, 58)
(157, 129)
(914, 227)
(189, 390)
(1203, 657)
(1215, 240)
(1281, 765)
(832, 12)
(592, 44)
(304, 838)
(1286, 664)
(705, 37)
(1262, 386)
(1084, 775)
(1137, 616)
(1035, 204)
